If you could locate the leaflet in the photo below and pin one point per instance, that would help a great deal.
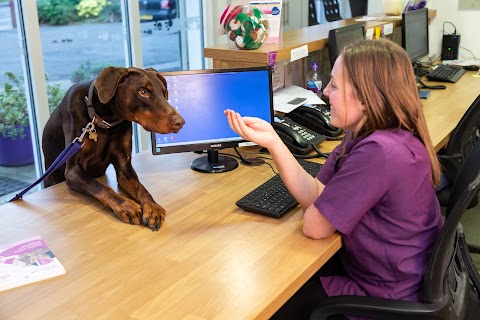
(27, 261)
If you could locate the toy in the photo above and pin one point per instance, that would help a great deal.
(247, 27)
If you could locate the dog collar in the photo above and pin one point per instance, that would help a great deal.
(93, 115)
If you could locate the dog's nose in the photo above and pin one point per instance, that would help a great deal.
(177, 122)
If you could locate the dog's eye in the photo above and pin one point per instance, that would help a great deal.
(144, 93)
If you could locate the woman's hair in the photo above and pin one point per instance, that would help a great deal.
(382, 76)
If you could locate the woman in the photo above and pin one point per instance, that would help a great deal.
(376, 188)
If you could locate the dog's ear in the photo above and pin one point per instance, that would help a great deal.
(107, 82)
(159, 76)
(152, 69)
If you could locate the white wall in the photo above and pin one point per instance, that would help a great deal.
(466, 21)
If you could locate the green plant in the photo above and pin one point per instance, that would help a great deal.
(13, 108)
(87, 71)
(57, 12)
(13, 105)
(62, 12)
(90, 8)
(55, 96)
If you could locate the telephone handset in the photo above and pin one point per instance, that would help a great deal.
(297, 138)
(316, 118)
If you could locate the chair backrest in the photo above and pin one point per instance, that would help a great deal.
(359, 7)
(332, 10)
(469, 169)
(312, 13)
(466, 133)
(447, 279)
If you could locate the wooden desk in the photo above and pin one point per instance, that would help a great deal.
(211, 260)
(316, 37)
(444, 108)
(226, 56)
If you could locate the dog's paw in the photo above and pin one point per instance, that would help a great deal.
(153, 215)
(129, 211)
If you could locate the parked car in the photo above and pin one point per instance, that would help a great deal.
(155, 10)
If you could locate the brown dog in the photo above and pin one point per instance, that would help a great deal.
(113, 100)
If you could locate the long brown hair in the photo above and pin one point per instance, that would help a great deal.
(383, 80)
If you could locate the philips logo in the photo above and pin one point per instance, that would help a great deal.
(275, 11)
(218, 145)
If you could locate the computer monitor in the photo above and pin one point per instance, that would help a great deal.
(415, 33)
(338, 38)
(201, 96)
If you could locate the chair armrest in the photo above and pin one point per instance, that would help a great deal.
(449, 157)
(378, 308)
(451, 164)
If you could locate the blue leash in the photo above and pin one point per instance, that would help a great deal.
(66, 154)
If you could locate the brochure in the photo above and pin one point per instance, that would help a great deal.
(273, 11)
(27, 261)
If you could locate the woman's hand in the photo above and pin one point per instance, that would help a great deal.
(253, 129)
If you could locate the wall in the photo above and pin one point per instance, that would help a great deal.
(466, 22)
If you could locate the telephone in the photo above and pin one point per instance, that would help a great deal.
(297, 138)
(316, 118)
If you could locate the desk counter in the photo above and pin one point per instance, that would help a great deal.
(210, 260)
(316, 37)
(444, 108)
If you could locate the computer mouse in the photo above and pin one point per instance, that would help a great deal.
(471, 68)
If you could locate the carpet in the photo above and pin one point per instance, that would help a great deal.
(8, 185)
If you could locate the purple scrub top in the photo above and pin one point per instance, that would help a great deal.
(380, 197)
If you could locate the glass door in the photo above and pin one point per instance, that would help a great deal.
(17, 129)
(62, 42)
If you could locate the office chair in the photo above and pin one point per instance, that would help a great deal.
(312, 13)
(469, 169)
(461, 142)
(359, 8)
(447, 292)
(332, 10)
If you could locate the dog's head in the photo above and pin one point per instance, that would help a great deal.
(141, 96)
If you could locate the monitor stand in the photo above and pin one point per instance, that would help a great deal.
(214, 163)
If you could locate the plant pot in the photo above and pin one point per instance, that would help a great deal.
(18, 152)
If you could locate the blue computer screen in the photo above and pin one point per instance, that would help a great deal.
(201, 96)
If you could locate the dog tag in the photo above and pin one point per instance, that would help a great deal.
(92, 135)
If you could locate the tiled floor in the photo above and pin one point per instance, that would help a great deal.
(471, 228)
(23, 173)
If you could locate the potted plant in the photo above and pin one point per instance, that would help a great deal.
(16, 147)
(15, 141)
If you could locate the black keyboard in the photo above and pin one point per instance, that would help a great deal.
(446, 73)
(272, 197)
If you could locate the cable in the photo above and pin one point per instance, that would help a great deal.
(319, 154)
(475, 58)
(323, 155)
(443, 27)
(424, 86)
(250, 162)
(337, 138)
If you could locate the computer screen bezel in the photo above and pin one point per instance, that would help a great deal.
(333, 46)
(423, 12)
(227, 142)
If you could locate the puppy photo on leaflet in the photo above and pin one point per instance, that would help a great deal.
(111, 102)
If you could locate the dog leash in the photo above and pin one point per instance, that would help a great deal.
(66, 154)
(76, 144)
